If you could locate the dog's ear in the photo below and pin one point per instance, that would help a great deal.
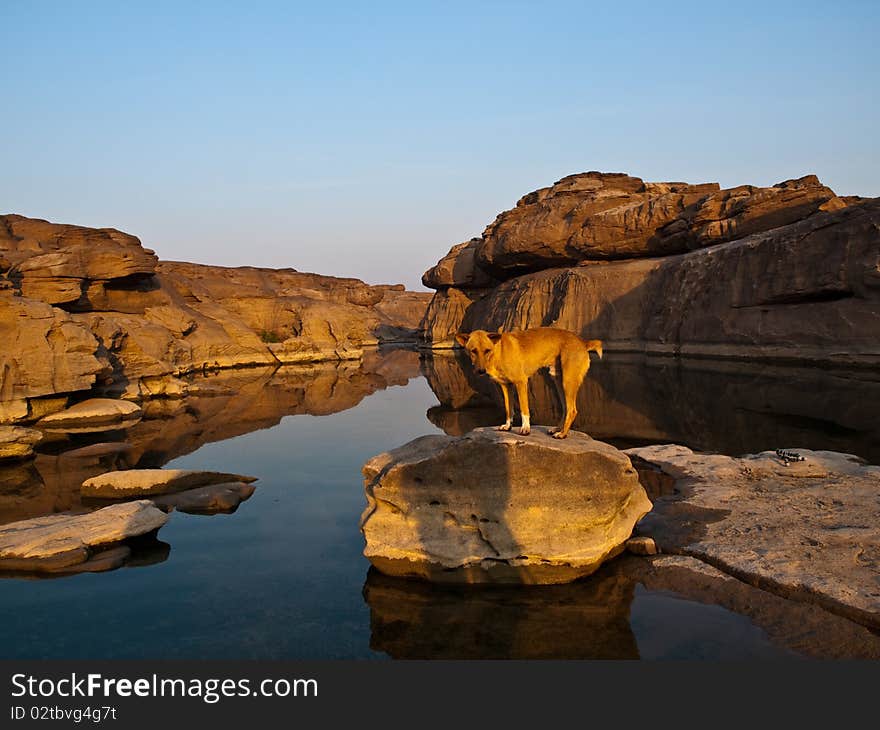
(462, 337)
(494, 336)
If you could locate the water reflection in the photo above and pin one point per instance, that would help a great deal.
(585, 620)
(229, 403)
(715, 406)
(631, 608)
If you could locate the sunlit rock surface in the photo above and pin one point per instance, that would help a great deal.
(84, 308)
(499, 507)
(17, 442)
(63, 541)
(144, 482)
(808, 530)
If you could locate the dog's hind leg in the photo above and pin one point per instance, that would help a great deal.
(522, 394)
(556, 372)
(574, 368)
(506, 426)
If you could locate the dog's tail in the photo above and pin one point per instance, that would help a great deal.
(594, 346)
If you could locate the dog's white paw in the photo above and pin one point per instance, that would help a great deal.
(559, 435)
(524, 431)
(503, 427)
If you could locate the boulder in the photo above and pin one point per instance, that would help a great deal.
(58, 263)
(209, 500)
(806, 530)
(62, 541)
(93, 415)
(498, 507)
(144, 482)
(17, 442)
(458, 268)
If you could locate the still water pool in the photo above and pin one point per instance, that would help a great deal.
(284, 576)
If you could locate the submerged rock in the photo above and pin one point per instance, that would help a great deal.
(144, 482)
(213, 499)
(60, 542)
(94, 414)
(498, 507)
(808, 531)
(17, 443)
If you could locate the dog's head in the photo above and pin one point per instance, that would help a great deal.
(480, 346)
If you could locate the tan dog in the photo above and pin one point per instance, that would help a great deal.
(513, 357)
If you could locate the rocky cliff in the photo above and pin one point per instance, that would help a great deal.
(84, 308)
(789, 272)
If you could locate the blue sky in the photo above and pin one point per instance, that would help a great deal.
(364, 139)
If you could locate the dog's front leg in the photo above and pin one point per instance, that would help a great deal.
(506, 426)
(522, 393)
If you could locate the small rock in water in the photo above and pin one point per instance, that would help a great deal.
(641, 545)
(146, 482)
(93, 415)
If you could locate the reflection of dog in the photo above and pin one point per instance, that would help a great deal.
(512, 357)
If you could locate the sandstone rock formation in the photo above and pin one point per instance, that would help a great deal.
(787, 272)
(144, 482)
(61, 542)
(83, 308)
(807, 531)
(497, 507)
(17, 442)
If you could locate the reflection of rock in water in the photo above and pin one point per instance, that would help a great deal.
(715, 406)
(232, 403)
(585, 620)
(801, 627)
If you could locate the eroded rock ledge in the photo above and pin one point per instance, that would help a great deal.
(84, 308)
(809, 531)
(498, 507)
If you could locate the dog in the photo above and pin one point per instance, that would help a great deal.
(513, 357)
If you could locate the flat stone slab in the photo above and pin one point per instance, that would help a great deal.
(93, 415)
(17, 442)
(808, 531)
(61, 541)
(213, 499)
(146, 482)
(97, 451)
(494, 506)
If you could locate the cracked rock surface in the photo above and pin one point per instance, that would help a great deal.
(492, 506)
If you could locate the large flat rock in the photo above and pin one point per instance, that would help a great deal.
(94, 414)
(498, 507)
(130, 483)
(809, 531)
(62, 541)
